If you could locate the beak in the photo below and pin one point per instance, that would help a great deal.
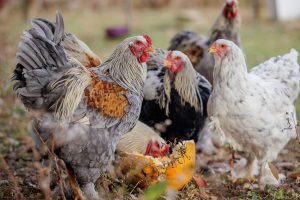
(167, 64)
(212, 50)
(150, 49)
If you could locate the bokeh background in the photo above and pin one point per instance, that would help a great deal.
(263, 35)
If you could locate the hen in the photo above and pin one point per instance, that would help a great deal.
(82, 111)
(174, 91)
(254, 111)
(143, 140)
(226, 26)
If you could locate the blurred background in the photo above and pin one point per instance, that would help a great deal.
(269, 27)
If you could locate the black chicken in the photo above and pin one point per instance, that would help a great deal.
(174, 92)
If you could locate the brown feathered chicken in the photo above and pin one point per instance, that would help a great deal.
(226, 26)
(83, 111)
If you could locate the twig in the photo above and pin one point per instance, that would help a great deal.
(135, 187)
(5, 167)
(60, 180)
(73, 183)
(43, 179)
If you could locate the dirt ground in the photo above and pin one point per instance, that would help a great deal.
(20, 174)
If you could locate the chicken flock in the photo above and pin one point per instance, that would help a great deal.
(144, 101)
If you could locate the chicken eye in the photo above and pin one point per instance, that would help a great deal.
(139, 43)
(223, 46)
(177, 58)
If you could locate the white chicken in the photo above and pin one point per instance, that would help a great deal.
(254, 112)
(144, 140)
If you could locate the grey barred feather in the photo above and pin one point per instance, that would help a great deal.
(126, 71)
(43, 29)
(74, 48)
(41, 61)
(75, 80)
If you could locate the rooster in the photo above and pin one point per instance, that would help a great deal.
(174, 91)
(80, 111)
(226, 26)
(73, 46)
(254, 112)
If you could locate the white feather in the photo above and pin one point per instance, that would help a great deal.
(137, 139)
(254, 110)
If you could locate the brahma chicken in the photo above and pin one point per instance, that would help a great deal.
(174, 92)
(143, 140)
(254, 111)
(82, 111)
(143, 158)
(73, 46)
(177, 169)
(226, 26)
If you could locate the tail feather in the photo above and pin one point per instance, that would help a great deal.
(41, 60)
(42, 28)
(59, 31)
(292, 55)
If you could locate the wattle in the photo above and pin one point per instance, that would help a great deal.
(144, 57)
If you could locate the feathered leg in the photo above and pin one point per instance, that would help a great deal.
(86, 178)
(239, 169)
(232, 162)
(265, 175)
(250, 161)
(90, 192)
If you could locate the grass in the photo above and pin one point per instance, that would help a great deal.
(260, 40)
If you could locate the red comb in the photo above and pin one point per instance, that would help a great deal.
(148, 39)
(169, 56)
(166, 150)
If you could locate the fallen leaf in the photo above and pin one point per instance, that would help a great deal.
(199, 181)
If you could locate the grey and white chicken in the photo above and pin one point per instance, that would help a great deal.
(82, 111)
(143, 140)
(254, 111)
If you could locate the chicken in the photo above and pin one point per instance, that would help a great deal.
(254, 112)
(174, 91)
(73, 46)
(226, 26)
(177, 169)
(143, 140)
(82, 111)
